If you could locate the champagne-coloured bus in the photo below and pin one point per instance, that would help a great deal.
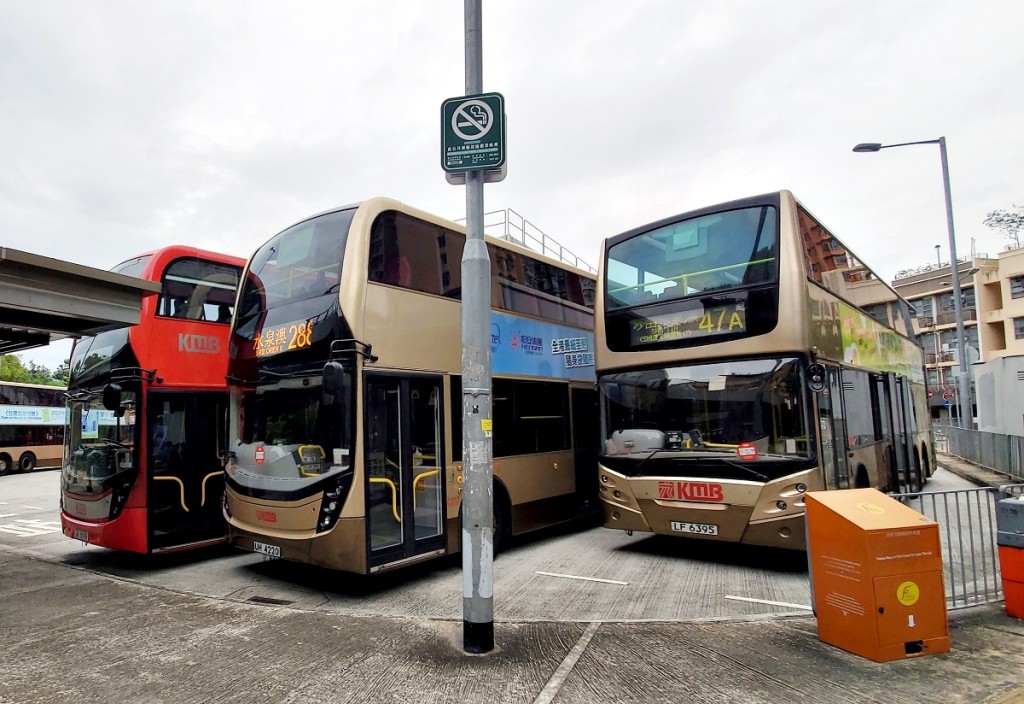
(744, 358)
(346, 405)
(31, 426)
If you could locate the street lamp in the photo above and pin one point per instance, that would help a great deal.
(963, 381)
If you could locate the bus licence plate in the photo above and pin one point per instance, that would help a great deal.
(271, 550)
(695, 528)
(81, 535)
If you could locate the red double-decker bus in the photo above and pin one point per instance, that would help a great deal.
(147, 412)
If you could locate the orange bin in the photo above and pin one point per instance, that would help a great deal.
(876, 575)
(1010, 538)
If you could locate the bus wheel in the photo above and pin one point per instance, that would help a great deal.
(918, 478)
(861, 479)
(27, 462)
(502, 520)
(5, 463)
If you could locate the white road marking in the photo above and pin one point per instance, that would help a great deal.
(770, 603)
(550, 691)
(35, 508)
(25, 528)
(587, 579)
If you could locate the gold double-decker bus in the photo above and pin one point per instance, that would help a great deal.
(744, 358)
(346, 401)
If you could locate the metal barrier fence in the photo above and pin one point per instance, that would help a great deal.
(513, 227)
(967, 533)
(1003, 453)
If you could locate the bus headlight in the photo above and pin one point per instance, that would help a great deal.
(335, 493)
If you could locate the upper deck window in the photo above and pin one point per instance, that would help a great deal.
(421, 256)
(714, 252)
(196, 289)
(133, 267)
(299, 264)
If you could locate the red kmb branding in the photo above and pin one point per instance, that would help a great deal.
(690, 491)
(701, 491)
(266, 516)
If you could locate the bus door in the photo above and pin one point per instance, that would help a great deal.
(585, 424)
(889, 418)
(186, 482)
(832, 425)
(903, 421)
(404, 478)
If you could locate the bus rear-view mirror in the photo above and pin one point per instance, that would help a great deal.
(112, 397)
(336, 380)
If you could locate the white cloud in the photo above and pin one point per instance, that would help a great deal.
(128, 126)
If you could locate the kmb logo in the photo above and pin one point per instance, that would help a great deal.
(201, 344)
(690, 491)
(266, 516)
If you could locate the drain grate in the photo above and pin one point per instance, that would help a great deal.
(269, 600)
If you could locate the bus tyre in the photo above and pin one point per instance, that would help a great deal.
(861, 478)
(5, 463)
(27, 462)
(502, 522)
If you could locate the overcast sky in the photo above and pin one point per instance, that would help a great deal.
(126, 126)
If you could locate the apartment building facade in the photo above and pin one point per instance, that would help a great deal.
(992, 301)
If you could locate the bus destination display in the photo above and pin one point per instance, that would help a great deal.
(688, 324)
(290, 336)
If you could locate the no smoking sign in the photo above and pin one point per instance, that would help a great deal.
(473, 133)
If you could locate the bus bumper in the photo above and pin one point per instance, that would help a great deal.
(127, 532)
(739, 512)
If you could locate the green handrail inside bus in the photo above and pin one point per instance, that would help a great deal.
(682, 278)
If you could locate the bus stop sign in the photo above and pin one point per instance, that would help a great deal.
(473, 133)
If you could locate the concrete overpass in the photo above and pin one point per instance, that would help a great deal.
(43, 300)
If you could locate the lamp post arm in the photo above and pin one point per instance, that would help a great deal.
(941, 141)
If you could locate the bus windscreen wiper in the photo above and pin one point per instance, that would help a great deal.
(746, 468)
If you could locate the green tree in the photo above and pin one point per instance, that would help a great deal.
(1008, 222)
(62, 373)
(11, 369)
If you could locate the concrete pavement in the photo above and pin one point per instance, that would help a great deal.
(68, 634)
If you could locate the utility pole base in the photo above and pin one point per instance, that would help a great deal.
(477, 637)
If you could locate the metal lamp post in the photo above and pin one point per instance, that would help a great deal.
(963, 380)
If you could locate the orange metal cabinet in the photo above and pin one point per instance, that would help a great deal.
(1010, 538)
(876, 575)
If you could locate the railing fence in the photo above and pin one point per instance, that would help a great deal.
(967, 534)
(1002, 453)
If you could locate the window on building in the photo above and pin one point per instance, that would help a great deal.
(948, 337)
(1017, 287)
(879, 311)
(1018, 328)
(924, 307)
